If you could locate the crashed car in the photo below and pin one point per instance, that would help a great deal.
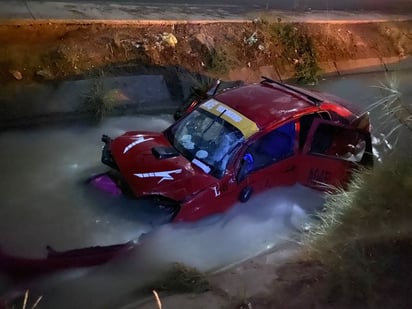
(239, 143)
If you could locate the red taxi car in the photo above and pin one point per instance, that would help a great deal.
(239, 143)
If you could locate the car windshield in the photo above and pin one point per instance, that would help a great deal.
(205, 137)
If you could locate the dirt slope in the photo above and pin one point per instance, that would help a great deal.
(44, 51)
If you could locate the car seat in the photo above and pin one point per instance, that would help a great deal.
(272, 148)
(275, 145)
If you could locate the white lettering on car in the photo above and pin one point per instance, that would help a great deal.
(139, 140)
(166, 175)
(216, 190)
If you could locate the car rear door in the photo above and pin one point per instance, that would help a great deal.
(330, 154)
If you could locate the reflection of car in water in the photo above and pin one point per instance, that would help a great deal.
(27, 267)
(239, 142)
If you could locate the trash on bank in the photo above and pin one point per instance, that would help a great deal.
(169, 38)
(251, 40)
(16, 74)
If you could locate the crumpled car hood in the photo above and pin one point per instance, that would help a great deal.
(175, 177)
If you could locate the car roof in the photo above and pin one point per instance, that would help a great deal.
(265, 103)
(271, 102)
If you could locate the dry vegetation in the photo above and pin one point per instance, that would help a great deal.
(57, 51)
(179, 278)
(365, 239)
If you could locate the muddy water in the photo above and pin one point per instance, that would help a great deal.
(44, 201)
(43, 190)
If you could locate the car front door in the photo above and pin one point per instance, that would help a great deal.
(330, 154)
(270, 161)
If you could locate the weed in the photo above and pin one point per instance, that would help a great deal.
(98, 99)
(180, 279)
(298, 50)
(217, 62)
(392, 106)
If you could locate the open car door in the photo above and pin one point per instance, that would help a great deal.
(330, 154)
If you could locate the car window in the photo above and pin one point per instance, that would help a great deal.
(207, 138)
(272, 147)
(305, 123)
(338, 142)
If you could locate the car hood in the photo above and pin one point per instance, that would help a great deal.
(146, 174)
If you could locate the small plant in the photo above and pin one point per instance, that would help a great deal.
(181, 279)
(395, 112)
(218, 62)
(298, 50)
(98, 99)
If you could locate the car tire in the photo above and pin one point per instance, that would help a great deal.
(245, 194)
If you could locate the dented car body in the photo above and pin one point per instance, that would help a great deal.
(239, 142)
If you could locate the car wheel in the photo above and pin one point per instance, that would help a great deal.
(245, 194)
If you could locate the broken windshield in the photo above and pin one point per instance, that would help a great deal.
(206, 137)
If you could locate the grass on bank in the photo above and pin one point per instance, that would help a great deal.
(179, 279)
(291, 43)
(298, 50)
(364, 238)
(218, 62)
